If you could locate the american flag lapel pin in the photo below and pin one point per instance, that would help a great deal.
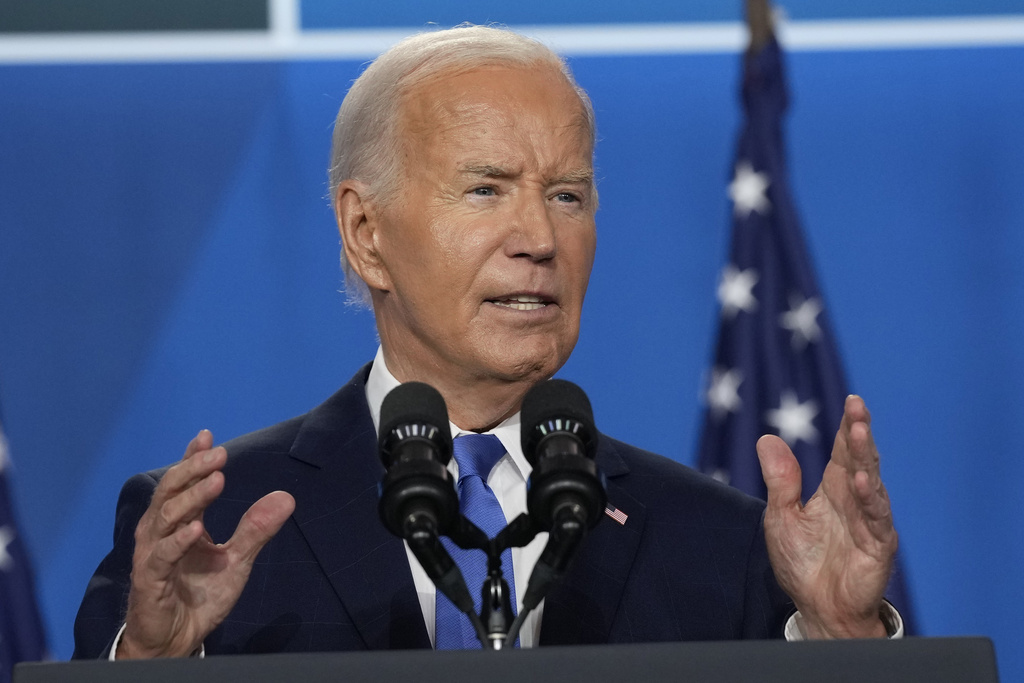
(616, 514)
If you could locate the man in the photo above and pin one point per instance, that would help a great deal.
(463, 186)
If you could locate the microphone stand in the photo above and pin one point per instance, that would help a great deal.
(493, 625)
(567, 532)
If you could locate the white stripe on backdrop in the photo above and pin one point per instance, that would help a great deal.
(285, 41)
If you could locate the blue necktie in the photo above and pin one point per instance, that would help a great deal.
(476, 455)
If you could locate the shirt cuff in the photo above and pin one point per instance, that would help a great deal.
(112, 657)
(890, 617)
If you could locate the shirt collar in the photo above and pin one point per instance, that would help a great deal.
(381, 382)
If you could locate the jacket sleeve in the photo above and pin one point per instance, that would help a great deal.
(765, 607)
(106, 597)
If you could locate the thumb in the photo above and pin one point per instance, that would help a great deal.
(781, 473)
(259, 524)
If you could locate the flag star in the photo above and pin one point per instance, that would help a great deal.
(723, 396)
(735, 291)
(794, 420)
(802, 320)
(6, 537)
(747, 191)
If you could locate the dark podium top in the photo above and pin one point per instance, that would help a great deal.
(935, 660)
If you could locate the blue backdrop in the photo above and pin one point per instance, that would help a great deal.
(168, 262)
(322, 14)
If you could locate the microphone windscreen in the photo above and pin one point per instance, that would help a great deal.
(415, 403)
(556, 405)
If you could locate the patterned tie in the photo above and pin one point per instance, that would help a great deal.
(476, 455)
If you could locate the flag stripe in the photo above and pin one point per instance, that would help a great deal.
(616, 514)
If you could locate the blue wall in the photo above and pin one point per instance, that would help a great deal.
(167, 262)
(321, 14)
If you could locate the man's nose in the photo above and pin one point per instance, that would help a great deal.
(533, 229)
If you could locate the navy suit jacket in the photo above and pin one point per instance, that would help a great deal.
(689, 563)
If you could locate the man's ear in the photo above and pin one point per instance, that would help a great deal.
(359, 224)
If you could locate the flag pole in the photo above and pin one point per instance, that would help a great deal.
(760, 23)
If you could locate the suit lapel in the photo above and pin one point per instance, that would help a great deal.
(582, 607)
(336, 510)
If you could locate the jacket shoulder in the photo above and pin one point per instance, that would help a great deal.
(659, 480)
(277, 438)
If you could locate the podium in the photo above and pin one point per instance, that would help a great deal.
(912, 660)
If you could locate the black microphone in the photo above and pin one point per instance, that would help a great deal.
(418, 501)
(566, 492)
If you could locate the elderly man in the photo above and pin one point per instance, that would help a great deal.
(464, 190)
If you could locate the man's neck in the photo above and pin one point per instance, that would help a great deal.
(474, 404)
(380, 382)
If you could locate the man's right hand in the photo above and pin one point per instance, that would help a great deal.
(184, 584)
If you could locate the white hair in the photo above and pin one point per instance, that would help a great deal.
(365, 145)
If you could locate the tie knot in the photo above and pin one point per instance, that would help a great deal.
(477, 454)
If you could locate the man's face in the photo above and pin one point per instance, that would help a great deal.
(487, 247)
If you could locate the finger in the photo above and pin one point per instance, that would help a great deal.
(864, 475)
(856, 410)
(874, 528)
(856, 449)
(872, 496)
(781, 473)
(855, 413)
(163, 559)
(188, 473)
(863, 454)
(187, 505)
(203, 441)
(868, 490)
(259, 524)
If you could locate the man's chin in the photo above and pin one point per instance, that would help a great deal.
(522, 362)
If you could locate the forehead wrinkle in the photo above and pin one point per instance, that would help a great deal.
(574, 152)
(432, 119)
(439, 123)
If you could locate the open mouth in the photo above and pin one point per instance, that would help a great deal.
(521, 302)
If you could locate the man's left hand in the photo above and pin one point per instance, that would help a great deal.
(833, 555)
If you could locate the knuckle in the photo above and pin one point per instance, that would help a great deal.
(166, 514)
(185, 469)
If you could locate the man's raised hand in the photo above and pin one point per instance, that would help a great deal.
(183, 584)
(833, 555)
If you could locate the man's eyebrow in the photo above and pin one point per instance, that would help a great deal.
(577, 176)
(486, 170)
(580, 175)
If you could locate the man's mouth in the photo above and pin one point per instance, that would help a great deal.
(521, 302)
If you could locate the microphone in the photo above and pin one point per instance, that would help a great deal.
(566, 492)
(418, 501)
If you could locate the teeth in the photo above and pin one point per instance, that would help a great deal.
(522, 302)
(531, 306)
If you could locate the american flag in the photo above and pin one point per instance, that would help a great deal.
(776, 368)
(616, 514)
(21, 630)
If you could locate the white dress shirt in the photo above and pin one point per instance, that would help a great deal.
(507, 480)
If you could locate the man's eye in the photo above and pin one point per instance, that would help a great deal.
(486, 191)
(567, 197)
